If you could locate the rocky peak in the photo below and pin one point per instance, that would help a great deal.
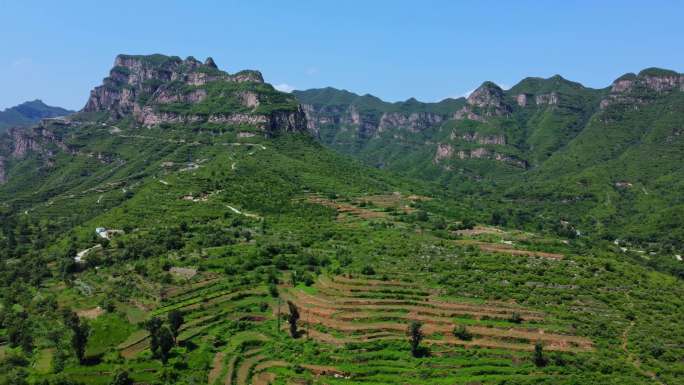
(640, 88)
(487, 95)
(623, 83)
(654, 79)
(210, 63)
(157, 89)
(485, 102)
(136, 77)
(537, 91)
(661, 80)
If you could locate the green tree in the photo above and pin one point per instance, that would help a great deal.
(80, 331)
(515, 318)
(538, 356)
(121, 378)
(462, 333)
(19, 330)
(175, 319)
(166, 343)
(415, 337)
(153, 325)
(467, 223)
(293, 318)
(273, 290)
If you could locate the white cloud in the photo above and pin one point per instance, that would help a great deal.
(463, 95)
(284, 87)
(467, 93)
(311, 71)
(21, 62)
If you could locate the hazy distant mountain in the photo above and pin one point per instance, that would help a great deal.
(29, 113)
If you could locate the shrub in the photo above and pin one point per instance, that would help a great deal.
(462, 333)
(515, 318)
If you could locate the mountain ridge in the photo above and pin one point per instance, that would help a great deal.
(184, 250)
(28, 113)
(532, 135)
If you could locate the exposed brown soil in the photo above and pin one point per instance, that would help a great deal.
(347, 209)
(507, 249)
(216, 367)
(478, 230)
(373, 282)
(324, 370)
(426, 305)
(363, 319)
(231, 369)
(263, 378)
(90, 313)
(244, 369)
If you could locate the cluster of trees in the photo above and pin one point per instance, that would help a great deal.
(163, 337)
(80, 332)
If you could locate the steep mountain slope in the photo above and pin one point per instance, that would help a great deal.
(29, 113)
(520, 127)
(624, 168)
(185, 228)
(530, 149)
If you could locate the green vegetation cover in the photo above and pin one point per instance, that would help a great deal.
(232, 248)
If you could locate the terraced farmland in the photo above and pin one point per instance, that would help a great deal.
(345, 311)
(352, 329)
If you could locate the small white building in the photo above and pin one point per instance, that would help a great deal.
(102, 232)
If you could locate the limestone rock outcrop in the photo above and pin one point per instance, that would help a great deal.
(158, 89)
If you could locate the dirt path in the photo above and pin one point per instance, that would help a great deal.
(270, 364)
(216, 367)
(263, 378)
(245, 367)
(231, 369)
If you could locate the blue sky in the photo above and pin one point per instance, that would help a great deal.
(59, 50)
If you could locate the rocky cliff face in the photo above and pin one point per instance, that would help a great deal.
(159, 89)
(414, 122)
(446, 152)
(639, 89)
(44, 141)
(476, 137)
(369, 125)
(41, 139)
(485, 102)
(17, 143)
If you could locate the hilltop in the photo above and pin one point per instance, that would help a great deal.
(29, 113)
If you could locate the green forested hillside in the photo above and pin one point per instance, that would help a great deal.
(186, 228)
(547, 154)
